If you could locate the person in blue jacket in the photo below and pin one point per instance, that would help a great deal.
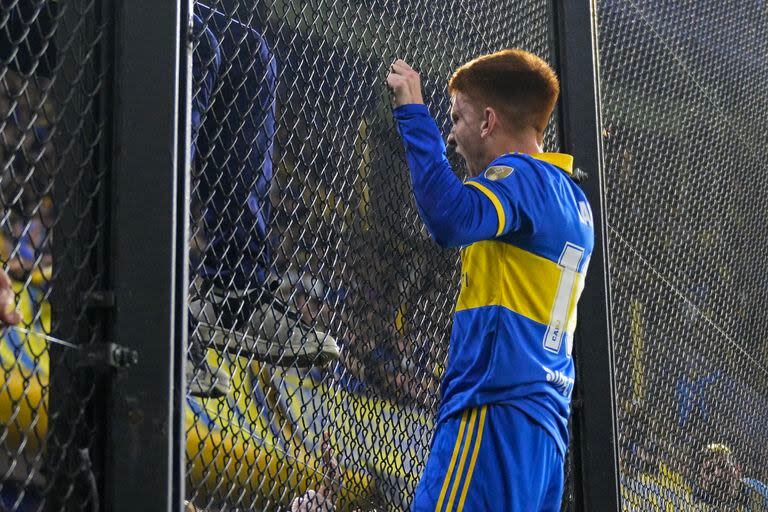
(234, 305)
(525, 232)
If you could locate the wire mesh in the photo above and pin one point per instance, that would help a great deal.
(52, 234)
(684, 110)
(305, 238)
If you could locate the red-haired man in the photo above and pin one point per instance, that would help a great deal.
(525, 229)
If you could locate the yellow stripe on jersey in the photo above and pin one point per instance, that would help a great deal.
(455, 454)
(473, 460)
(464, 452)
(499, 274)
(496, 203)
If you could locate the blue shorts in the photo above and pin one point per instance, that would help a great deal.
(491, 458)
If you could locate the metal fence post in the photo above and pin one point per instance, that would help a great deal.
(149, 257)
(594, 420)
(77, 60)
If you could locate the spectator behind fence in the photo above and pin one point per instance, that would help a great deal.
(233, 125)
(27, 154)
(650, 481)
(321, 500)
(721, 486)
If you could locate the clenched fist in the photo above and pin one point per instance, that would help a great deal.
(405, 83)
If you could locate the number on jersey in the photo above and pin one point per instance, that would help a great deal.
(562, 317)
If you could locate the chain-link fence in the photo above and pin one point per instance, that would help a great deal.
(319, 309)
(684, 112)
(52, 235)
(306, 246)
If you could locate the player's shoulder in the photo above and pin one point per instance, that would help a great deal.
(544, 176)
(548, 170)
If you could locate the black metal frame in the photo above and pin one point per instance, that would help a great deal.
(146, 442)
(595, 455)
(70, 375)
(184, 187)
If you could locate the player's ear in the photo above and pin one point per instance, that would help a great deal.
(490, 122)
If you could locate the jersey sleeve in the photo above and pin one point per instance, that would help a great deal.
(456, 213)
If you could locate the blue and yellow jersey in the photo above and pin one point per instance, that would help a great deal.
(526, 236)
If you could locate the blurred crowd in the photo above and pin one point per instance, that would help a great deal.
(26, 155)
(375, 309)
(684, 295)
(354, 264)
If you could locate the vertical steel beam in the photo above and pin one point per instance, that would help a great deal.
(149, 255)
(594, 418)
(77, 60)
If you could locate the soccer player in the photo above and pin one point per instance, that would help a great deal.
(233, 129)
(525, 232)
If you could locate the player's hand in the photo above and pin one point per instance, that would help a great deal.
(8, 313)
(405, 82)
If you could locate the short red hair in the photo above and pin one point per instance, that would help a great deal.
(517, 83)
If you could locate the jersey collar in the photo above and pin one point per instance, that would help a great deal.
(559, 160)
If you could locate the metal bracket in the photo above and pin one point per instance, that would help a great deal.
(579, 175)
(99, 299)
(109, 355)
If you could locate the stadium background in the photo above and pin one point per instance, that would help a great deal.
(683, 90)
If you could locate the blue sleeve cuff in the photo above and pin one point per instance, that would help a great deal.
(410, 110)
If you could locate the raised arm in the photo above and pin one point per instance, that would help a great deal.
(455, 213)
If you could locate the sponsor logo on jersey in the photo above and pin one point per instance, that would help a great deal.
(561, 381)
(498, 172)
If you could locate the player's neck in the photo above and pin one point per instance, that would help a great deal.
(526, 143)
(522, 142)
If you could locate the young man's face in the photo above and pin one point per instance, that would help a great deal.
(720, 479)
(465, 134)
